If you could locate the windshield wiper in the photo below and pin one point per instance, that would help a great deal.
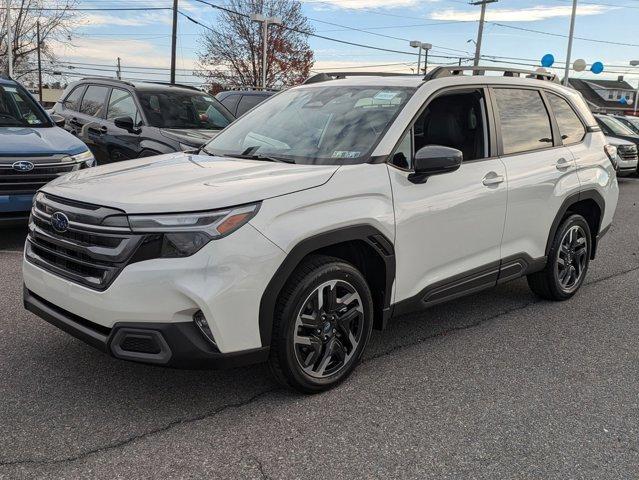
(256, 156)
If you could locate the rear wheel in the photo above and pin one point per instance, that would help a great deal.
(322, 324)
(567, 262)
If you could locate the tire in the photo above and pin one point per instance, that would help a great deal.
(557, 281)
(322, 323)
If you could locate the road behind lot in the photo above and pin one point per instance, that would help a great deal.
(496, 385)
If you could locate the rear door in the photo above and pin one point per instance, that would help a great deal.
(69, 109)
(541, 171)
(89, 120)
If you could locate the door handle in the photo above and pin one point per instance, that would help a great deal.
(563, 164)
(492, 179)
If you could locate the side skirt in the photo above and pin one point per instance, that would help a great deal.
(470, 282)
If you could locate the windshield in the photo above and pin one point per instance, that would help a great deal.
(18, 109)
(328, 125)
(180, 109)
(615, 126)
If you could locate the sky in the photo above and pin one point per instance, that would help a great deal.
(143, 39)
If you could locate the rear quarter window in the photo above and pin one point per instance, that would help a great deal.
(72, 102)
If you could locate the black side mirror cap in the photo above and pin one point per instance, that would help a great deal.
(435, 160)
(126, 123)
(59, 120)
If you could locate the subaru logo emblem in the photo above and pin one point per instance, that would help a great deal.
(60, 222)
(22, 166)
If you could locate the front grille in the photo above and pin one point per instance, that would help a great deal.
(627, 152)
(45, 169)
(94, 249)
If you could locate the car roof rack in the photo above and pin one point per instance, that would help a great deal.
(169, 84)
(110, 79)
(440, 72)
(325, 76)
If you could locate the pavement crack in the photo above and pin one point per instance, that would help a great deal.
(260, 467)
(133, 438)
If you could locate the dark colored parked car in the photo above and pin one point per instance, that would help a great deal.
(612, 127)
(631, 122)
(238, 102)
(33, 151)
(120, 120)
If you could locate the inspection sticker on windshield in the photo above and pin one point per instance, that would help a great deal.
(385, 95)
(345, 154)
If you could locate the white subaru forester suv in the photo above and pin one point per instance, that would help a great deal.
(320, 215)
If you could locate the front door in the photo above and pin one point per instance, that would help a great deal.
(449, 228)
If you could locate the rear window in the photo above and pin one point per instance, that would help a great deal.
(525, 124)
(94, 100)
(570, 127)
(72, 102)
(247, 102)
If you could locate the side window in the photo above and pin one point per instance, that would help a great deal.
(94, 100)
(570, 127)
(121, 104)
(456, 119)
(403, 156)
(247, 102)
(525, 124)
(230, 102)
(72, 102)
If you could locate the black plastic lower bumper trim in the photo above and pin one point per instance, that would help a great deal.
(187, 348)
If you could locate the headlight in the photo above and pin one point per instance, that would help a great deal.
(183, 234)
(86, 158)
(611, 151)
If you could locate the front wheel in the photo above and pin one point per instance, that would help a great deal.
(322, 323)
(567, 262)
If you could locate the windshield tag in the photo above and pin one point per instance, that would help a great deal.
(385, 95)
(345, 154)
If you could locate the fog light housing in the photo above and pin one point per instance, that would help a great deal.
(200, 320)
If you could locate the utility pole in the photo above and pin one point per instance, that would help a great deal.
(480, 31)
(265, 21)
(174, 40)
(635, 63)
(119, 71)
(39, 62)
(426, 47)
(570, 35)
(9, 41)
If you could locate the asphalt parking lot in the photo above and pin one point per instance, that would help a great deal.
(496, 385)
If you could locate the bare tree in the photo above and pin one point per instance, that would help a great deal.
(55, 25)
(232, 51)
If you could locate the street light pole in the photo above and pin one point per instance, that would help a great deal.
(426, 47)
(570, 35)
(480, 30)
(265, 21)
(9, 41)
(39, 63)
(417, 44)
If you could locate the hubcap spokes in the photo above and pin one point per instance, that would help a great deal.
(328, 328)
(572, 257)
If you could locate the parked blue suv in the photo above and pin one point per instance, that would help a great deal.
(33, 151)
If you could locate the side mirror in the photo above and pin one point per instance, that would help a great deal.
(125, 123)
(59, 120)
(434, 160)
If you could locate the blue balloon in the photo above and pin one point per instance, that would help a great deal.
(547, 60)
(597, 67)
(623, 100)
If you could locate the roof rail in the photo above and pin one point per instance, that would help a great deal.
(323, 77)
(169, 84)
(110, 79)
(439, 72)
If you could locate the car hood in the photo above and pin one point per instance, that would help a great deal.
(179, 182)
(196, 138)
(617, 141)
(28, 141)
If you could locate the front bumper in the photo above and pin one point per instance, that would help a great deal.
(178, 345)
(14, 209)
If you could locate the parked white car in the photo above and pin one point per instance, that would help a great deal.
(627, 159)
(320, 215)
